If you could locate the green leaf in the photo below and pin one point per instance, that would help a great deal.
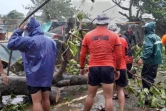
(154, 90)
(73, 48)
(80, 16)
(163, 98)
(159, 83)
(165, 81)
(146, 91)
(154, 102)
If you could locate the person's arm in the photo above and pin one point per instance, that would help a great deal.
(83, 53)
(147, 50)
(126, 48)
(118, 53)
(3, 75)
(17, 42)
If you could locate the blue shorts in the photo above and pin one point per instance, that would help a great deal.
(101, 74)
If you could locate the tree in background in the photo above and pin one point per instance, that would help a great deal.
(12, 19)
(55, 10)
(158, 9)
(130, 8)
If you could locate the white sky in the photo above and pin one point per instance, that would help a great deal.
(7, 5)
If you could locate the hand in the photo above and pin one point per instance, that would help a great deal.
(5, 79)
(23, 27)
(82, 71)
(140, 62)
(117, 75)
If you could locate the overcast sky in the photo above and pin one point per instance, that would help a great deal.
(7, 5)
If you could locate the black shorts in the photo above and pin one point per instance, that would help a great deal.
(101, 74)
(122, 81)
(33, 90)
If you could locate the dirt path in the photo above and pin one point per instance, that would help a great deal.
(77, 97)
(77, 94)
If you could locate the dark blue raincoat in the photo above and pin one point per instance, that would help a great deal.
(38, 53)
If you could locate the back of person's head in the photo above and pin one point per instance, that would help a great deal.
(33, 28)
(114, 28)
(149, 28)
(102, 20)
(130, 28)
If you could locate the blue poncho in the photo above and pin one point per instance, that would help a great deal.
(38, 53)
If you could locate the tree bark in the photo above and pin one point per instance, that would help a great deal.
(17, 85)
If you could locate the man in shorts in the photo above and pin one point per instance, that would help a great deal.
(122, 81)
(38, 53)
(100, 43)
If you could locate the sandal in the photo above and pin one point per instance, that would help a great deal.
(115, 96)
(100, 108)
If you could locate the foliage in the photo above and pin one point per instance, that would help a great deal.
(73, 67)
(156, 96)
(80, 16)
(130, 8)
(74, 45)
(157, 9)
(17, 107)
(14, 14)
(55, 10)
(12, 19)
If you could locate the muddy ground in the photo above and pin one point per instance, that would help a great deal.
(78, 93)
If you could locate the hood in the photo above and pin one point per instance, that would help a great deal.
(150, 28)
(33, 28)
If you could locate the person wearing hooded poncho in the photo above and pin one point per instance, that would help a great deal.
(38, 54)
(152, 55)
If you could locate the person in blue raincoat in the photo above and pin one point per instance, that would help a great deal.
(39, 54)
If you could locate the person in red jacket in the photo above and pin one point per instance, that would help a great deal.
(122, 81)
(100, 43)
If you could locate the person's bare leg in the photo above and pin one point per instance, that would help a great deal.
(115, 95)
(121, 98)
(36, 99)
(45, 101)
(108, 92)
(89, 99)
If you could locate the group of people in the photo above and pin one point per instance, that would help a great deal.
(110, 59)
(109, 62)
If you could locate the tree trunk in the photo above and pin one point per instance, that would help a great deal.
(17, 85)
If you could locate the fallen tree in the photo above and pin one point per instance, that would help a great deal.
(17, 85)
